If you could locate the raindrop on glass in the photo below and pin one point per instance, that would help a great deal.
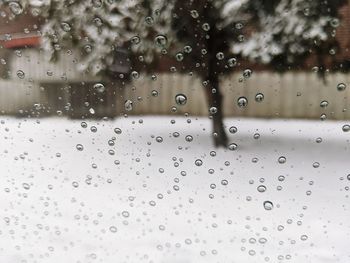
(282, 159)
(233, 129)
(247, 73)
(180, 99)
(15, 8)
(242, 102)
(220, 56)
(79, 147)
(206, 27)
(261, 188)
(259, 97)
(179, 56)
(20, 74)
(341, 87)
(232, 146)
(128, 105)
(346, 128)
(161, 41)
(99, 87)
(232, 62)
(268, 205)
(198, 162)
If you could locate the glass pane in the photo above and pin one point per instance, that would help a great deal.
(174, 131)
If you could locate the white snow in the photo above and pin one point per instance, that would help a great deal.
(53, 221)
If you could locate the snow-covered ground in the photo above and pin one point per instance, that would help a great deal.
(150, 202)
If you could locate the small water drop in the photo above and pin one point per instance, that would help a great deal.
(80, 147)
(282, 159)
(341, 87)
(346, 128)
(242, 102)
(261, 188)
(198, 162)
(268, 205)
(20, 74)
(99, 87)
(128, 105)
(259, 97)
(180, 99)
(161, 41)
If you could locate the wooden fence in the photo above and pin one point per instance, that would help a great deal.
(288, 95)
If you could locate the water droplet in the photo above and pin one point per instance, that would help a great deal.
(304, 237)
(128, 105)
(159, 139)
(198, 162)
(324, 104)
(206, 27)
(113, 229)
(238, 25)
(242, 102)
(346, 128)
(125, 214)
(79, 147)
(259, 97)
(117, 130)
(232, 62)
(88, 48)
(318, 140)
(20, 74)
(189, 138)
(187, 49)
(26, 186)
(98, 21)
(179, 56)
(268, 205)
(154, 93)
(335, 22)
(149, 20)
(99, 87)
(224, 182)
(180, 99)
(282, 159)
(161, 41)
(262, 240)
(220, 56)
(66, 27)
(194, 13)
(15, 8)
(341, 87)
(247, 73)
(233, 129)
(135, 75)
(232, 146)
(213, 110)
(135, 40)
(281, 178)
(75, 184)
(316, 164)
(261, 188)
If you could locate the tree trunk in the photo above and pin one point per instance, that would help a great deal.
(214, 98)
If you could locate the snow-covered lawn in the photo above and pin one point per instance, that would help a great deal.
(150, 202)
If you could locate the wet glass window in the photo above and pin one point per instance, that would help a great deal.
(174, 131)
